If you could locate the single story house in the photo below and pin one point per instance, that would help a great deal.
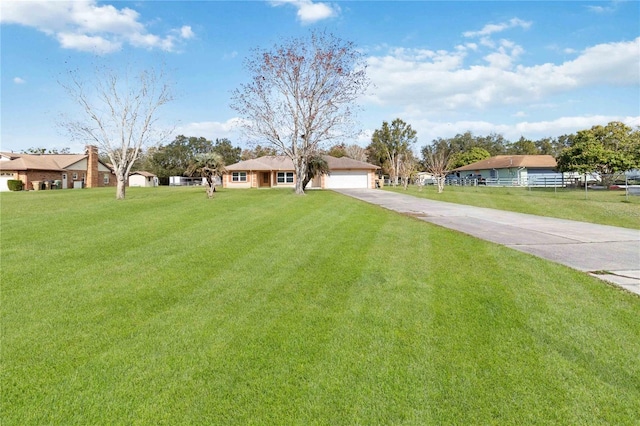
(69, 170)
(276, 171)
(512, 169)
(142, 178)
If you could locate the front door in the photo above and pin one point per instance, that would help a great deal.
(64, 181)
(265, 179)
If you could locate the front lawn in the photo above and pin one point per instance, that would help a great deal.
(598, 206)
(262, 307)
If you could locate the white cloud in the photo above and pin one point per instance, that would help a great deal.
(18, 80)
(430, 130)
(86, 26)
(212, 129)
(186, 32)
(604, 9)
(613, 63)
(310, 12)
(436, 81)
(504, 56)
(85, 43)
(231, 55)
(496, 28)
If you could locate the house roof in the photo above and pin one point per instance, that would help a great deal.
(266, 163)
(281, 162)
(143, 173)
(511, 161)
(53, 162)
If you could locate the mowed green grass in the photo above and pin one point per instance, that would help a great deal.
(262, 307)
(597, 206)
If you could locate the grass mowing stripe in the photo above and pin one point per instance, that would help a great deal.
(263, 307)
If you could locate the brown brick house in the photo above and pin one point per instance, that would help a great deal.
(70, 170)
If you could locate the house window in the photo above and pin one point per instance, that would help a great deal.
(74, 176)
(105, 179)
(239, 176)
(285, 177)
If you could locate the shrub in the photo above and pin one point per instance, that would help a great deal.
(14, 185)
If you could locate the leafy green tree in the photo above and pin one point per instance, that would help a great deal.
(40, 150)
(174, 158)
(476, 153)
(210, 166)
(337, 151)
(257, 152)
(606, 150)
(545, 146)
(523, 147)
(553, 146)
(466, 148)
(461, 142)
(389, 144)
(494, 143)
(229, 153)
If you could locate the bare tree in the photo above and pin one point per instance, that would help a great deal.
(407, 167)
(301, 96)
(119, 114)
(356, 152)
(438, 162)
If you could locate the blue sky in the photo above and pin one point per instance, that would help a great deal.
(532, 69)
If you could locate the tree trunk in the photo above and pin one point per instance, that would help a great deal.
(121, 185)
(211, 187)
(300, 167)
(440, 183)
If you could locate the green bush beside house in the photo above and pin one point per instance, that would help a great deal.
(15, 185)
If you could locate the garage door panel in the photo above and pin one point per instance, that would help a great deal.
(4, 185)
(347, 179)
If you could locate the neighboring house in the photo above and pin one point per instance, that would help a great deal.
(144, 179)
(278, 172)
(512, 169)
(424, 178)
(69, 170)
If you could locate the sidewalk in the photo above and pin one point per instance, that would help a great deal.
(607, 252)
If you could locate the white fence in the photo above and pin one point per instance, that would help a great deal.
(531, 181)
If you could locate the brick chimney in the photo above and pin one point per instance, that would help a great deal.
(93, 177)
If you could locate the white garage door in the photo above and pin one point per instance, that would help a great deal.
(3, 183)
(344, 179)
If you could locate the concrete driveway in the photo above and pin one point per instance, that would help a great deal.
(607, 252)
